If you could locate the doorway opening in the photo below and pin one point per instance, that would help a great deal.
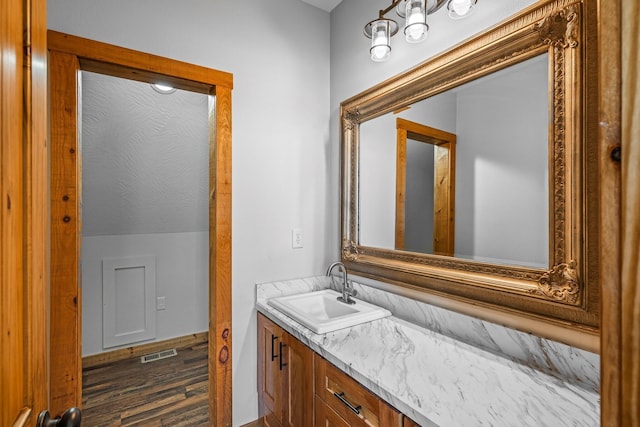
(145, 235)
(70, 56)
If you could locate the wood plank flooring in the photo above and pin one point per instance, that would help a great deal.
(169, 392)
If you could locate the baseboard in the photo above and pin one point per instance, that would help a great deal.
(256, 423)
(141, 350)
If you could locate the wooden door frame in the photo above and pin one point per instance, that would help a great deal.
(619, 31)
(23, 212)
(67, 56)
(444, 156)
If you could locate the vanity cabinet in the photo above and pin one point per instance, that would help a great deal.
(409, 423)
(341, 401)
(285, 377)
(287, 372)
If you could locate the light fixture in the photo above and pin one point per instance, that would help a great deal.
(415, 15)
(459, 9)
(380, 32)
(162, 88)
(416, 29)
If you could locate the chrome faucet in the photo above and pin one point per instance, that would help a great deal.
(347, 286)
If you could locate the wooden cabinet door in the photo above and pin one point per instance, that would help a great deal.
(285, 377)
(298, 383)
(270, 377)
(408, 422)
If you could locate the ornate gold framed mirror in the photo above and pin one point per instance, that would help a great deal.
(519, 102)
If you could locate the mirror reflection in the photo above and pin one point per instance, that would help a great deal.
(491, 203)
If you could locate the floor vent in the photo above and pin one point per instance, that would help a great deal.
(159, 355)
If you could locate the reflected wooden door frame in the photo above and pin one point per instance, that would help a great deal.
(444, 157)
(67, 56)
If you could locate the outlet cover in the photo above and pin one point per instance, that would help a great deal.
(296, 238)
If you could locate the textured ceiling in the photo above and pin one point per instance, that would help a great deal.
(144, 158)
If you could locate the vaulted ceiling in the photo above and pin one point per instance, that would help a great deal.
(327, 5)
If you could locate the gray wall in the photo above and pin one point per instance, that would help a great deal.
(419, 197)
(144, 157)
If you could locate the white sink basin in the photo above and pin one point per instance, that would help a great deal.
(321, 312)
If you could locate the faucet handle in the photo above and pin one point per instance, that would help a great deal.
(350, 289)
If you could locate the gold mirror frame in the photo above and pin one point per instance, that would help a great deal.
(565, 295)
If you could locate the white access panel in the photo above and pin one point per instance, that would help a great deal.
(128, 300)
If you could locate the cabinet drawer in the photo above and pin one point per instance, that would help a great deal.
(327, 417)
(350, 400)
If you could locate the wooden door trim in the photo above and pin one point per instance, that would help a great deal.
(630, 288)
(621, 325)
(23, 212)
(67, 56)
(610, 247)
(131, 64)
(444, 144)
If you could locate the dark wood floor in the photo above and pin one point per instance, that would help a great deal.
(170, 392)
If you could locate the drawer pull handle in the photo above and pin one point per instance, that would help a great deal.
(282, 364)
(340, 396)
(273, 354)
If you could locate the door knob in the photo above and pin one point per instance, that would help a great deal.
(71, 418)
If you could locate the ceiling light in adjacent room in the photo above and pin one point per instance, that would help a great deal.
(163, 88)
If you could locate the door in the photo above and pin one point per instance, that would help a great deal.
(23, 212)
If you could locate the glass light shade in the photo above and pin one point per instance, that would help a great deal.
(416, 28)
(163, 88)
(380, 40)
(460, 8)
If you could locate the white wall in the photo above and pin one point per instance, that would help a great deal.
(181, 277)
(285, 167)
(502, 183)
(378, 182)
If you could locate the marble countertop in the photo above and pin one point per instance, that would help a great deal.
(436, 380)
